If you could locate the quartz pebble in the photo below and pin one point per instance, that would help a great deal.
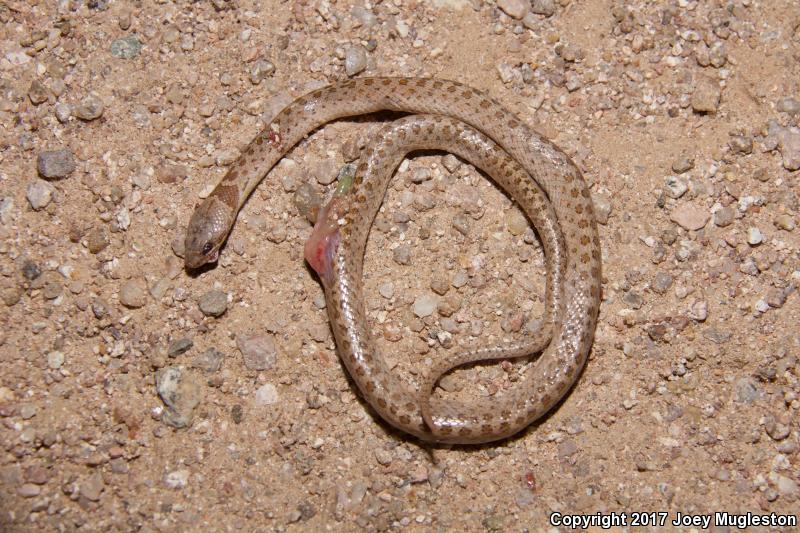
(754, 236)
(266, 394)
(39, 194)
(355, 60)
(177, 479)
(425, 305)
(675, 187)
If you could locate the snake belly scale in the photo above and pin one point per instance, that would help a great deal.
(576, 297)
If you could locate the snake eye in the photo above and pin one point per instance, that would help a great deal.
(207, 247)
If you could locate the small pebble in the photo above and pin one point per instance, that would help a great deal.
(741, 144)
(386, 290)
(55, 163)
(213, 303)
(746, 390)
(514, 8)
(97, 240)
(776, 297)
(261, 70)
(789, 146)
(208, 361)
(425, 305)
(789, 105)
(179, 346)
(754, 236)
(689, 217)
(675, 187)
(440, 286)
(451, 163)
(27, 411)
(55, 360)
(258, 351)
(307, 200)
(724, 217)
(37, 92)
(420, 175)
(384, 457)
(602, 208)
(29, 490)
(683, 164)
(90, 108)
(706, 96)
(402, 254)
(544, 7)
(181, 393)
(266, 394)
(133, 294)
(355, 60)
(784, 221)
(662, 282)
(126, 47)
(461, 224)
(92, 487)
(177, 479)
(39, 194)
(699, 310)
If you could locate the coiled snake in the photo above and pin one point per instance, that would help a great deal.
(506, 149)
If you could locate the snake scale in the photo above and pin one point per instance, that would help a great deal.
(510, 152)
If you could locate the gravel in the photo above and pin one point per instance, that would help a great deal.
(709, 356)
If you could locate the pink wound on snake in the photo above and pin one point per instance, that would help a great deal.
(323, 242)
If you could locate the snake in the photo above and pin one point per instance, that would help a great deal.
(467, 121)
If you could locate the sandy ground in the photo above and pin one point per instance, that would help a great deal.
(127, 405)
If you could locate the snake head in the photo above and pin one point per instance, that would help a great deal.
(207, 230)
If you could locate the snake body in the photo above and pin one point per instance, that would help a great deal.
(573, 278)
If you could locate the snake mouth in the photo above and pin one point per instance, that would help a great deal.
(194, 262)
